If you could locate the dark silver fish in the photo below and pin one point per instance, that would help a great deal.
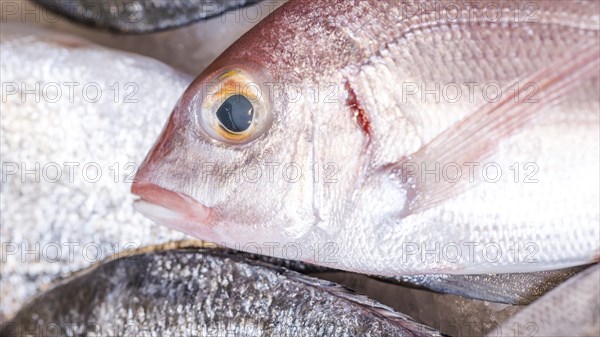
(189, 49)
(140, 16)
(204, 292)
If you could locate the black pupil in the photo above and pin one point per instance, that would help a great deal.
(235, 114)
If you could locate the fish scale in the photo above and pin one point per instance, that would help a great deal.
(72, 212)
(378, 111)
(572, 309)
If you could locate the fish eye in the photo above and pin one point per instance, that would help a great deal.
(235, 114)
(234, 107)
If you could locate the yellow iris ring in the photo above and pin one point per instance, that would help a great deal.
(232, 83)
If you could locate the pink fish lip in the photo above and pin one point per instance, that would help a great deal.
(176, 206)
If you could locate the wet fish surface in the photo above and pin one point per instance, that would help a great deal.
(68, 156)
(205, 292)
(572, 309)
(513, 288)
(251, 156)
(453, 315)
(141, 16)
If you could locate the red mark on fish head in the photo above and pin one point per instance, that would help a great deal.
(359, 114)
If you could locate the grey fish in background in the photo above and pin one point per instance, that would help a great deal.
(512, 288)
(205, 292)
(68, 158)
(141, 16)
(572, 309)
(190, 49)
(316, 130)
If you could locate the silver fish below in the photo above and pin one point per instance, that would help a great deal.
(205, 293)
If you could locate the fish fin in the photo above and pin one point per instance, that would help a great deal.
(490, 124)
(375, 307)
(509, 288)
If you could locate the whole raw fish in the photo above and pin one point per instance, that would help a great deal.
(393, 137)
(204, 293)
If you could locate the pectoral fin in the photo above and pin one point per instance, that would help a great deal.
(477, 136)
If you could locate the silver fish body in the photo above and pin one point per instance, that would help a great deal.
(205, 292)
(364, 176)
(68, 155)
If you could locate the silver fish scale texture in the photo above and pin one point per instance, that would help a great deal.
(514, 288)
(193, 293)
(40, 240)
(572, 309)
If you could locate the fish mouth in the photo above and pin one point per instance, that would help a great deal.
(166, 206)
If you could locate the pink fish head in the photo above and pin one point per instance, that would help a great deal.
(241, 157)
